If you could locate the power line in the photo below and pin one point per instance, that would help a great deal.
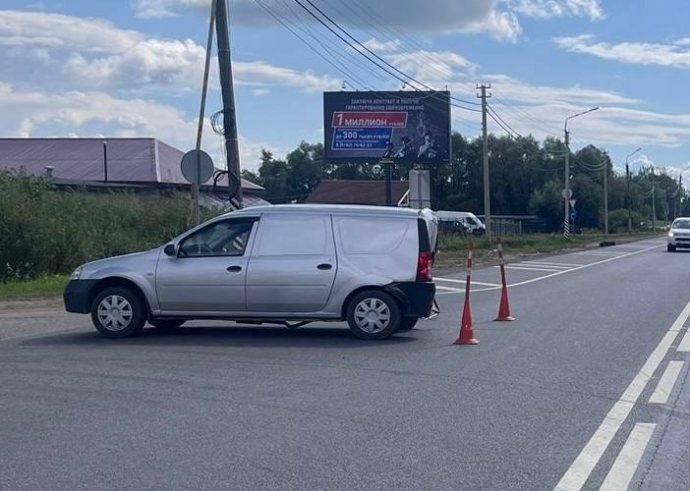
(331, 48)
(371, 14)
(377, 60)
(321, 55)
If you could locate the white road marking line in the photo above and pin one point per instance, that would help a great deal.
(531, 269)
(623, 469)
(555, 267)
(584, 266)
(569, 265)
(666, 383)
(447, 288)
(451, 280)
(558, 273)
(578, 473)
(684, 345)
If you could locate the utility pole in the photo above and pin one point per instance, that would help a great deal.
(627, 177)
(653, 202)
(606, 199)
(485, 136)
(680, 195)
(196, 186)
(228, 93)
(566, 192)
(105, 161)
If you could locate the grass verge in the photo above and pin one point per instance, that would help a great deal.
(45, 286)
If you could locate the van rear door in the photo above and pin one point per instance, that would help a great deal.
(293, 264)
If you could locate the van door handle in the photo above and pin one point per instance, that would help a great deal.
(234, 269)
(325, 266)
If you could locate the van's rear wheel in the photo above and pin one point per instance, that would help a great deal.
(118, 312)
(373, 314)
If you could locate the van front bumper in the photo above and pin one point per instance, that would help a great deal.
(77, 295)
(417, 298)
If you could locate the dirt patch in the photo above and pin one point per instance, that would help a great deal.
(33, 305)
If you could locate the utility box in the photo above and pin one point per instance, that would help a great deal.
(420, 189)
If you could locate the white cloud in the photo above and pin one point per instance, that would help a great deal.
(260, 92)
(443, 16)
(547, 9)
(675, 55)
(435, 66)
(265, 74)
(92, 53)
(55, 31)
(382, 46)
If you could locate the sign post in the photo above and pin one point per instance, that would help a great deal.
(388, 162)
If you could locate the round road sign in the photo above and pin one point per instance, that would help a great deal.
(189, 164)
(570, 194)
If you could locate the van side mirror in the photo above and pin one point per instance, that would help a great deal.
(170, 250)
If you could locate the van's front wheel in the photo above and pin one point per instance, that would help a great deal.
(118, 312)
(373, 314)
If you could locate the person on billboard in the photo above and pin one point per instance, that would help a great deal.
(405, 148)
(428, 149)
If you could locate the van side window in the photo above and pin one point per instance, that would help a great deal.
(226, 238)
(288, 235)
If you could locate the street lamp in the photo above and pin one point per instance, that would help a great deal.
(566, 193)
(627, 177)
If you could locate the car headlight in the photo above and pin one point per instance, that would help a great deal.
(670, 234)
(76, 274)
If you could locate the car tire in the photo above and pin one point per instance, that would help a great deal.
(408, 323)
(373, 314)
(167, 324)
(118, 312)
(671, 248)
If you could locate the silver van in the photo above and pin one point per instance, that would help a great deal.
(286, 264)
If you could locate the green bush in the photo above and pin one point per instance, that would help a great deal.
(44, 231)
(618, 220)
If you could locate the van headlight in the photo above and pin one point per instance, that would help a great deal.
(670, 234)
(76, 274)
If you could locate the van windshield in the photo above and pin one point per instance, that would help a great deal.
(681, 224)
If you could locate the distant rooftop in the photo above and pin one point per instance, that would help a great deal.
(350, 192)
(130, 160)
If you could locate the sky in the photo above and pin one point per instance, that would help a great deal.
(134, 68)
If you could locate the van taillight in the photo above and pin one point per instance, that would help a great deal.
(424, 264)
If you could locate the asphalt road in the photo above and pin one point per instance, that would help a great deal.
(573, 394)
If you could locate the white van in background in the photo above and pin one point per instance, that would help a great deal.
(469, 221)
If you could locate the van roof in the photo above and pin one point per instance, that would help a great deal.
(345, 209)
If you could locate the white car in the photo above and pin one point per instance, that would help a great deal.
(679, 234)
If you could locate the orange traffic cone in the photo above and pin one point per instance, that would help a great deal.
(504, 307)
(466, 336)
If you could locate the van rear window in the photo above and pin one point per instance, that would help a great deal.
(423, 232)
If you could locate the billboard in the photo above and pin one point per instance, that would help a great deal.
(409, 127)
